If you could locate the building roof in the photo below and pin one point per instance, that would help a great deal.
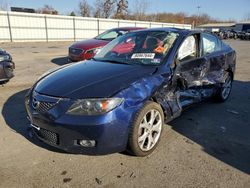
(245, 22)
(218, 25)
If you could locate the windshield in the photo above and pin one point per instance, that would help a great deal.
(111, 34)
(147, 48)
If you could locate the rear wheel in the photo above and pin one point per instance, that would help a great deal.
(146, 130)
(225, 89)
(3, 82)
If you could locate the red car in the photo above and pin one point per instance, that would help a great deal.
(86, 49)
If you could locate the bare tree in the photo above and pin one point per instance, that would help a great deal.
(180, 17)
(85, 8)
(47, 9)
(140, 9)
(122, 9)
(108, 8)
(72, 13)
(247, 17)
(98, 10)
(104, 8)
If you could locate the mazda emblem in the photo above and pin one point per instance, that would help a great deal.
(35, 103)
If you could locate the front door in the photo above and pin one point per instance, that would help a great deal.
(191, 67)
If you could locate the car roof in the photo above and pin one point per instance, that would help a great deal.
(183, 32)
(167, 29)
(164, 29)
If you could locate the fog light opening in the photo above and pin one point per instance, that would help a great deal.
(87, 143)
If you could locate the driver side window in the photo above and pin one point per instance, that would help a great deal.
(188, 49)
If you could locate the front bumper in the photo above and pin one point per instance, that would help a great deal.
(74, 58)
(6, 70)
(110, 131)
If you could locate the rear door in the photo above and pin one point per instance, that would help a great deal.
(216, 57)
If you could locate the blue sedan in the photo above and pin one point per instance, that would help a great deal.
(120, 99)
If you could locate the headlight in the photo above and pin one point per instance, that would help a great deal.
(4, 58)
(94, 50)
(94, 106)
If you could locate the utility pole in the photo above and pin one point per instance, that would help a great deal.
(198, 7)
(198, 16)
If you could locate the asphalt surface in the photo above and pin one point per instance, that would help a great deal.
(208, 146)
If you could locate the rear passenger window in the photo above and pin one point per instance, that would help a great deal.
(210, 44)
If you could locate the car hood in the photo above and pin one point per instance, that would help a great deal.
(3, 53)
(91, 79)
(90, 43)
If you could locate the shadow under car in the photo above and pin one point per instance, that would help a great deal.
(222, 129)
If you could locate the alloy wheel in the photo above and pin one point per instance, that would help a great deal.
(226, 87)
(149, 130)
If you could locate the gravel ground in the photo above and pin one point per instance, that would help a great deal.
(208, 146)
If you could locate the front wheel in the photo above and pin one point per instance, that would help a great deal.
(225, 89)
(146, 129)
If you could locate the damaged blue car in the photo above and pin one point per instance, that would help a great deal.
(120, 99)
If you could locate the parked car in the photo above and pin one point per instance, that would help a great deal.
(246, 35)
(121, 98)
(86, 49)
(232, 34)
(241, 35)
(6, 67)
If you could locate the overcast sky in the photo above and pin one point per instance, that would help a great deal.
(220, 9)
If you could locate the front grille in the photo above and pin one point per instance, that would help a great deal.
(45, 106)
(75, 51)
(43, 103)
(47, 135)
(9, 70)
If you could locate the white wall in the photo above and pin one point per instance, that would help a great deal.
(24, 27)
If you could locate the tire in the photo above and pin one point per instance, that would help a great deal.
(143, 130)
(225, 89)
(3, 82)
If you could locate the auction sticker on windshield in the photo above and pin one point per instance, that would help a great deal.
(143, 56)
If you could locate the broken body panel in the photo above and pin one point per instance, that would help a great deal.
(197, 79)
(6, 67)
(186, 83)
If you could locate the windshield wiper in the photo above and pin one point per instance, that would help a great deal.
(114, 61)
